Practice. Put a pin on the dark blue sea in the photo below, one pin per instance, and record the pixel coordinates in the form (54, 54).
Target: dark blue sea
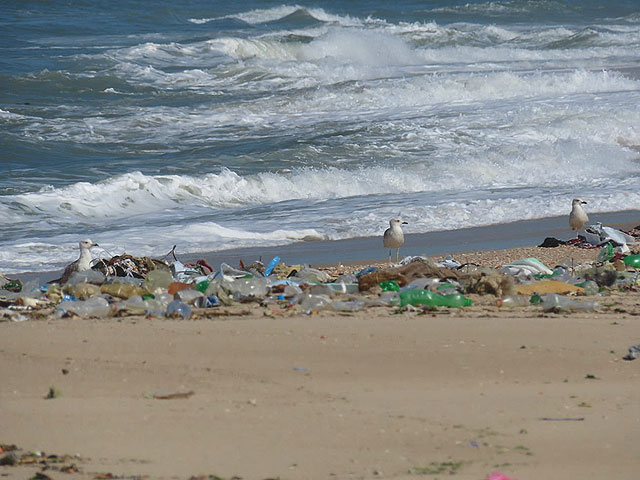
(215, 124)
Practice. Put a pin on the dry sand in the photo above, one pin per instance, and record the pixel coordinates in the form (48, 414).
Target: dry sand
(375, 394)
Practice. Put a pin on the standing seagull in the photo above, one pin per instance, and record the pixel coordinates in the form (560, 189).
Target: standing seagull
(578, 217)
(83, 263)
(393, 236)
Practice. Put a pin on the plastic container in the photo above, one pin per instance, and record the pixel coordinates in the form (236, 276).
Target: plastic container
(157, 279)
(227, 272)
(389, 286)
(189, 296)
(347, 305)
(247, 289)
(203, 285)
(87, 276)
(84, 291)
(122, 290)
(389, 298)
(93, 307)
(309, 302)
(553, 301)
(271, 266)
(366, 271)
(342, 287)
(426, 297)
(514, 301)
(134, 305)
(291, 291)
(606, 253)
(312, 275)
(178, 308)
(590, 288)
(207, 302)
(632, 260)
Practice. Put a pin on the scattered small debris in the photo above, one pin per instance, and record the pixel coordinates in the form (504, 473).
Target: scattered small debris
(634, 352)
(562, 419)
(172, 396)
(53, 393)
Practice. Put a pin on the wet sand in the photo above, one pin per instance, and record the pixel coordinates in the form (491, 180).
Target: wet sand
(373, 394)
(369, 250)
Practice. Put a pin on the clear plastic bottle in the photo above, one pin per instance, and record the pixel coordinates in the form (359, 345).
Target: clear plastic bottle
(189, 296)
(87, 276)
(158, 279)
(514, 301)
(178, 309)
(247, 289)
(553, 301)
(347, 305)
(93, 307)
(309, 302)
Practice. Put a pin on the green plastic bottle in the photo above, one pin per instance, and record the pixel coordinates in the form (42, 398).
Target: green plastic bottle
(427, 297)
(389, 286)
(632, 260)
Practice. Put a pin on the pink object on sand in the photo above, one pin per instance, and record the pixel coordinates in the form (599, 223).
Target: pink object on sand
(499, 476)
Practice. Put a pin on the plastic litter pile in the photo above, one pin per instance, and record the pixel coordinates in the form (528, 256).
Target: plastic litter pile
(160, 289)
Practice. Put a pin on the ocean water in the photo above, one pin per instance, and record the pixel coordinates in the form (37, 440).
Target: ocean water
(215, 125)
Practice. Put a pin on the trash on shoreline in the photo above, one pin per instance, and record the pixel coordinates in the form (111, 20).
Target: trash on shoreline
(634, 352)
(128, 285)
(171, 396)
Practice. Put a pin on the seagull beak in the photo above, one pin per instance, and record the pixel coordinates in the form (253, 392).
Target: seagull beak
(95, 245)
(583, 202)
(405, 223)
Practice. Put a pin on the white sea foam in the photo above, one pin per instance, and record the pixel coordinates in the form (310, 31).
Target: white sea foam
(316, 114)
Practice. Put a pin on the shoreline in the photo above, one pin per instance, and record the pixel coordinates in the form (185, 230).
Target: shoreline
(369, 250)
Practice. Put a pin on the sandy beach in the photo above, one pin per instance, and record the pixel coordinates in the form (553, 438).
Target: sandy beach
(256, 392)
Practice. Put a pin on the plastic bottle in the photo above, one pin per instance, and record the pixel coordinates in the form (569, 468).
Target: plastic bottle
(342, 287)
(203, 285)
(366, 271)
(309, 274)
(93, 307)
(591, 288)
(227, 272)
(122, 290)
(271, 266)
(247, 289)
(553, 301)
(207, 302)
(134, 305)
(389, 286)
(632, 260)
(157, 279)
(422, 283)
(606, 253)
(309, 302)
(389, 298)
(347, 305)
(514, 301)
(178, 309)
(427, 297)
(87, 276)
(84, 290)
(189, 296)
(347, 278)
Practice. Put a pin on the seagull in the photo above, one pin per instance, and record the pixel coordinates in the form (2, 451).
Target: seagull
(393, 236)
(80, 265)
(578, 217)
